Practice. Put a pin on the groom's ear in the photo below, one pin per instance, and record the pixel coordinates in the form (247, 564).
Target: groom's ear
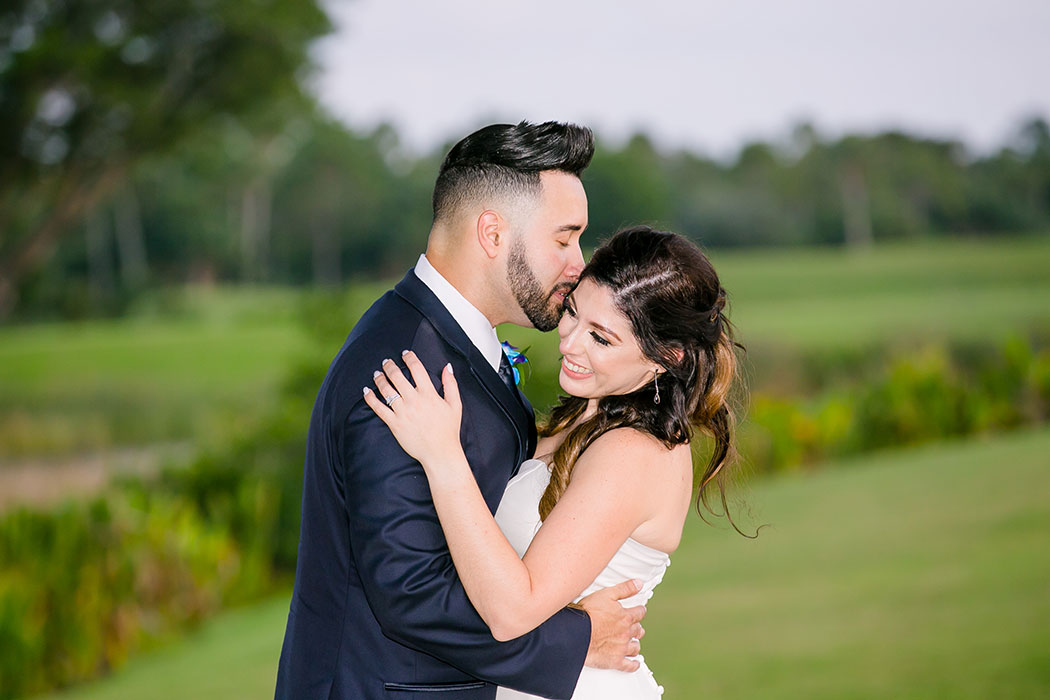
(492, 232)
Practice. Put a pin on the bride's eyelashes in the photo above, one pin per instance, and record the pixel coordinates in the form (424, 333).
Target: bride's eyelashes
(600, 340)
(569, 309)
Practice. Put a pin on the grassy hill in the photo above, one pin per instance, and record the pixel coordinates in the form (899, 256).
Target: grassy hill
(918, 573)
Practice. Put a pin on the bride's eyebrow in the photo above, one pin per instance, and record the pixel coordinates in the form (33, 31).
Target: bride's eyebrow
(605, 330)
(571, 304)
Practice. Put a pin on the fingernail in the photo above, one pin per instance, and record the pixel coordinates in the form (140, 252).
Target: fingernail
(637, 584)
(404, 352)
(387, 360)
(449, 368)
(375, 375)
(366, 390)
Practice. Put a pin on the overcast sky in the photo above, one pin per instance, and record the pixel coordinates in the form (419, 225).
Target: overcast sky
(705, 75)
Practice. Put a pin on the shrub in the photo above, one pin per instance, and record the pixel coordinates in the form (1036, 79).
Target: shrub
(929, 395)
(84, 585)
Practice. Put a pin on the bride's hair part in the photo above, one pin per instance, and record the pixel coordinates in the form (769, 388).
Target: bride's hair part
(669, 291)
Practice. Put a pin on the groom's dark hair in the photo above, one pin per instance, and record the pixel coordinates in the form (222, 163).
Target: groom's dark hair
(508, 158)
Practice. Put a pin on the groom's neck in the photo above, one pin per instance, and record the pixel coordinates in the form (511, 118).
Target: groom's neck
(469, 277)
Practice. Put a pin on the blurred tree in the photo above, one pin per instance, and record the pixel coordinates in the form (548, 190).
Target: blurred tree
(627, 186)
(90, 88)
(341, 209)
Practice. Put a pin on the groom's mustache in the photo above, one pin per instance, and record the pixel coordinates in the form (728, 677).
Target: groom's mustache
(565, 287)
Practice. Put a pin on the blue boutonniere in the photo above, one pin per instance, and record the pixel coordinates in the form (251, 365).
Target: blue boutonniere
(516, 357)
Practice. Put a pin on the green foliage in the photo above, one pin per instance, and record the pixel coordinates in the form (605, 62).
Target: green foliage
(178, 370)
(237, 503)
(90, 89)
(85, 585)
(915, 573)
(339, 204)
(812, 320)
(921, 397)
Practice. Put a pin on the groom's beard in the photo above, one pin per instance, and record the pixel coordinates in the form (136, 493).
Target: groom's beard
(541, 307)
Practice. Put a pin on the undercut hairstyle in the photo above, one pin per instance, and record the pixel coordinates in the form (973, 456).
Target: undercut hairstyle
(507, 159)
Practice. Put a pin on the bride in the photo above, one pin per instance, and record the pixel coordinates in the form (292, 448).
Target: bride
(648, 360)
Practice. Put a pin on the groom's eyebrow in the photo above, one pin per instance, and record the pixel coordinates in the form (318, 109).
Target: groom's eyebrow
(569, 227)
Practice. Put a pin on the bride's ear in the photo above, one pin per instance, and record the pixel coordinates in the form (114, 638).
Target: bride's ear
(678, 353)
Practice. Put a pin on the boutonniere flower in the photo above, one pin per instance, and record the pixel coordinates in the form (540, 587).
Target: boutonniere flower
(516, 357)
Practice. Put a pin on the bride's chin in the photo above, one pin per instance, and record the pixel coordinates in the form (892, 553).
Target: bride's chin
(566, 386)
(562, 382)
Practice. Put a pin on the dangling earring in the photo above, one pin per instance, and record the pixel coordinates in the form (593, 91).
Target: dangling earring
(656, 399)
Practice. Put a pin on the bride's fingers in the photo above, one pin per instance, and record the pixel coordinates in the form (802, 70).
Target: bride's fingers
(450, 387)
(384, 388)
(397, 377)
(378, 406)
(419, 372)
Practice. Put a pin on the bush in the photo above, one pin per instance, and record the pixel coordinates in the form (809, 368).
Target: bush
(83, 586)
(923, 397)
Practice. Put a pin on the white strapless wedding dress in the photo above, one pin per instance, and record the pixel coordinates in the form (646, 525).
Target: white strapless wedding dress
(519, 519)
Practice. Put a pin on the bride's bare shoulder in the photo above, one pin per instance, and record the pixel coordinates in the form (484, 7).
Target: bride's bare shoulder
(632, 439)
(626, 448)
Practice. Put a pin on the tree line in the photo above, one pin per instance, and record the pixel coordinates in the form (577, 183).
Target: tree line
(145, 144)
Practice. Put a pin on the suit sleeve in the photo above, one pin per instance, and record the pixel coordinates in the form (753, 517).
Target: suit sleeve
(411, 583)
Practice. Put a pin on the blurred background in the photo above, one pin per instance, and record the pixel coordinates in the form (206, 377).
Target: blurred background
(199, 199)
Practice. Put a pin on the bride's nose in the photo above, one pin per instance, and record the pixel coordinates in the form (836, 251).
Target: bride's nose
(568, 335)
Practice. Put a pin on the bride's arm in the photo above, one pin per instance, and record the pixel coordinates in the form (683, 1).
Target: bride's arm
(603, 505)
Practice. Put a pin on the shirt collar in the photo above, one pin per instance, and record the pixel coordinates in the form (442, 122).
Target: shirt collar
(473, 322)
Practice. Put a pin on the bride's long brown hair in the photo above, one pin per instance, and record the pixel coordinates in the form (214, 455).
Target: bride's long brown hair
(669, 291)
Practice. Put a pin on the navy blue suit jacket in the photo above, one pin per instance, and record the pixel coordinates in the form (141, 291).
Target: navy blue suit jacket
(378, 610)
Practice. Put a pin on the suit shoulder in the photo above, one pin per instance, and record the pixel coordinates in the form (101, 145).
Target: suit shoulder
(389, 326)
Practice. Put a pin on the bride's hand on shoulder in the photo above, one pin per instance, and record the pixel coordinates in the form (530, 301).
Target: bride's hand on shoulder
(424, 423)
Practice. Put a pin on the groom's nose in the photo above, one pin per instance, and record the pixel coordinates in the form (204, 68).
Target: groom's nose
(575, 266)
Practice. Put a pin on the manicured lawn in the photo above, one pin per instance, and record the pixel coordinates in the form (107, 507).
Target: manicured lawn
(816, 298)
(163, 374)
(919, 573)
(82, 386)
(962, 290)
(234, 656)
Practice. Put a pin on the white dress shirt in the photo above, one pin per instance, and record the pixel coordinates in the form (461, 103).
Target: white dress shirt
(473, 322)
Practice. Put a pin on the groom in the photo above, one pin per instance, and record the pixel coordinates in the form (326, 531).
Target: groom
(378, 610)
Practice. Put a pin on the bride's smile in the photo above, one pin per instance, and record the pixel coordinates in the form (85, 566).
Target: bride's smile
(600, 354)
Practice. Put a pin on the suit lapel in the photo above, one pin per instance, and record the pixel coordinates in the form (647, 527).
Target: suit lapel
(517, 408)
(532, 438)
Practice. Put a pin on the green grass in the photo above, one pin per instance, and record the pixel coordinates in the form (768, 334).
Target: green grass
(800, 311)
(181, 358)
(90, 385)
(812, 299)
(913, 574)
(959, 289)
(919, 573)
(233, 656)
